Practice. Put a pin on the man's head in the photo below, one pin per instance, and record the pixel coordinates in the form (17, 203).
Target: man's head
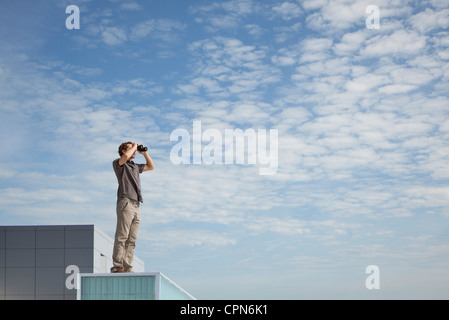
(123, 147)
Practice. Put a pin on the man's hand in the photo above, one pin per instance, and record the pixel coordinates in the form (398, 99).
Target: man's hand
(150, 164)
(141, 152)
(129, 153)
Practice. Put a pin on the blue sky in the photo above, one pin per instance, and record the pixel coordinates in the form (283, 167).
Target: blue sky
(362, 116)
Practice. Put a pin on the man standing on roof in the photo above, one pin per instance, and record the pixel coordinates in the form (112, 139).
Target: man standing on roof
(129, 197)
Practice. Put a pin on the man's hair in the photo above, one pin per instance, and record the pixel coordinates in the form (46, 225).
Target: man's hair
(123, 147)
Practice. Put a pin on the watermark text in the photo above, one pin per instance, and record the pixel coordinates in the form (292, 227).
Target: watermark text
(373, 20)
(373, 280)
(72, 21)
(71, 282)
(228, 149)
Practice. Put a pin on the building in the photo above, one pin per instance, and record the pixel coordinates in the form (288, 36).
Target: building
(37, 261)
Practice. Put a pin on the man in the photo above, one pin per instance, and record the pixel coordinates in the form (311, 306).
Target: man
(129, 197)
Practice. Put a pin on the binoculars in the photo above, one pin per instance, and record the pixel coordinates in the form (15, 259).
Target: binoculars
(142, 148)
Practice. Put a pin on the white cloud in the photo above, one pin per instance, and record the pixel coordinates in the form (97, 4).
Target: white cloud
(315, 49)
(226, 66)
(400, 43)
(113, 36)
(287, 10)
(224, 15)
(397, 88)
(142, 29)
(131, 6)
(336, 15)
(350, 43)
(429, 20)
(283, 60)
(282, 226)
(169, 238)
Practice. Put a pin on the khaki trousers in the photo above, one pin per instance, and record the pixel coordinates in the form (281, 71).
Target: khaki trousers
(128, 222)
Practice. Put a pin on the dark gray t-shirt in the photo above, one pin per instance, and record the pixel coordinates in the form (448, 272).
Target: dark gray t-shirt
(128, 180)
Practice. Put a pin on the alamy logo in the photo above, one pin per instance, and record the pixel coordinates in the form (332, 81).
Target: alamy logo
(72, 21)
(232, 145)
(373, 20)
(373, 280)
(72, 279)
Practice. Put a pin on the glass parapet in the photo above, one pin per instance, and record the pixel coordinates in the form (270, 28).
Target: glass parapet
(118, 288)
(134, 286)
(171, 291)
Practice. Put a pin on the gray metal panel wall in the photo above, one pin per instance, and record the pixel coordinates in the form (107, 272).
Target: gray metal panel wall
(33, 260)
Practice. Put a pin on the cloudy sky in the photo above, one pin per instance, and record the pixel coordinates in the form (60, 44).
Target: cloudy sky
(363, 124)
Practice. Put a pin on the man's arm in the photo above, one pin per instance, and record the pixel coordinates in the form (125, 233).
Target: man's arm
(150, 164)
(127, 154)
